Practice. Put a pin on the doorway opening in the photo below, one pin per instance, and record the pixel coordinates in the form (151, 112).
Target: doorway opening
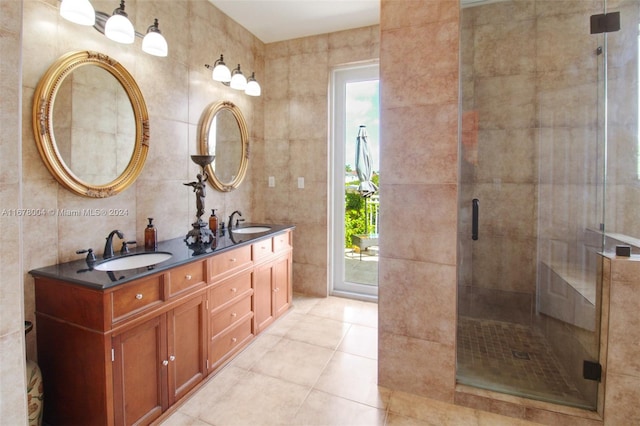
(355, 155)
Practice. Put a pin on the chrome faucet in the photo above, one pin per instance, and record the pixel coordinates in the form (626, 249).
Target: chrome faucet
(108, 247)
(231, 219)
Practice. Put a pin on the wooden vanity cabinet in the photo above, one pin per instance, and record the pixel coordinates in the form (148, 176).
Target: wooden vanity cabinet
(186, 340)
(121, 355)
(158, 362)
(272, 279)
(281, 284)
(125, 354)
(263, 300)
(139, 377)
(230, 316)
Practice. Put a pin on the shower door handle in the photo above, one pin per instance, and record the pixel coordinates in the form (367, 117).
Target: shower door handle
(474, 219)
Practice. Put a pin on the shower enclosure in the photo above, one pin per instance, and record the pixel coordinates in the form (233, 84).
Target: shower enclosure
(548, 178)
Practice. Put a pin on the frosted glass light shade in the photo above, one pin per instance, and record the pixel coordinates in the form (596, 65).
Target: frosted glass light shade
(155, 44)
(78, 11)
(118, 28)
(253, 88)
(238, 80)
(220, 71)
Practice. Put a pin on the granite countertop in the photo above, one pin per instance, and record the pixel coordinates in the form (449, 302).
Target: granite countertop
(82, 273)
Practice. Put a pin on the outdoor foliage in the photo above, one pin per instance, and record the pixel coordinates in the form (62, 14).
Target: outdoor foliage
(354, 215)
(354, 219)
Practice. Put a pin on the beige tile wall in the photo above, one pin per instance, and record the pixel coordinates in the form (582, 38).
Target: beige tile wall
(621, 367)
(419, 127)
(13, 405)
(176, 89)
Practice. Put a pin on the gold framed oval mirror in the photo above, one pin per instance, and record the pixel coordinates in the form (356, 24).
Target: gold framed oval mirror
(223, 133)
(91, 124)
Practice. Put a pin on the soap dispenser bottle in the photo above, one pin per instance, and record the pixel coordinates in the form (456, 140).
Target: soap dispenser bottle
(150, 236)
(213, 222)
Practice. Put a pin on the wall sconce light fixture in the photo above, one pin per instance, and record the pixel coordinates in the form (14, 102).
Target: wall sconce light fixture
(153, 42)
(234, 79)
(116, 26)
(220, 72)
(253, 88)
(119, 28)
(238, 80)
(78, 11)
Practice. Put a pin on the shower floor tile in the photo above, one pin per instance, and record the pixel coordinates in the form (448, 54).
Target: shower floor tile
(511, 358)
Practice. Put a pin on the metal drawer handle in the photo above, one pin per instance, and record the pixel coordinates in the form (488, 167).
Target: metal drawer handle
(139, 296)
(233, 315)
(233, 340)
(234, 289)
(165, 362)
(188, 277)
(172, 358)
(233, 259)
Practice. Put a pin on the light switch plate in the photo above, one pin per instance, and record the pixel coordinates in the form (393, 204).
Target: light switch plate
(300, 183)
(272, 182)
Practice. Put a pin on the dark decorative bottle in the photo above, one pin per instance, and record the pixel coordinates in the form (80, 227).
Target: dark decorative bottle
(213, 222)
(150, 236)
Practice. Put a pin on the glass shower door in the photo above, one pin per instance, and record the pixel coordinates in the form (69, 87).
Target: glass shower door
(531, 198)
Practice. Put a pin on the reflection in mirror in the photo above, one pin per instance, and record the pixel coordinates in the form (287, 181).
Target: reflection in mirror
(91, 124)
(223, 133)
(96, 147)
(224, 143)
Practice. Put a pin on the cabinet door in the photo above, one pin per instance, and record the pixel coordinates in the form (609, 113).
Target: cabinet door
(186, 346)
(262, 296)
(281, 285)
(140, 383)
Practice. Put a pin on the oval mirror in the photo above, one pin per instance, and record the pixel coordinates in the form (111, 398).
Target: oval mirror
(91, 124)
(223, 133)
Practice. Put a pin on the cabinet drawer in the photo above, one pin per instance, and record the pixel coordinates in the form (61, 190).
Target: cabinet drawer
(229, 289)
(186, 277)
(225, 263)
(281, 242)
(135, 297)
(262, 249)
(229, 340)
(226, 317)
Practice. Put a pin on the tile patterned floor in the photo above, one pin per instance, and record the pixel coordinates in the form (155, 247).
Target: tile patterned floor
(510, 357)
(317, 365)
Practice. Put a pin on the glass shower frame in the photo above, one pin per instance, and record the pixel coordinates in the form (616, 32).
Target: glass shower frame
(533, 178)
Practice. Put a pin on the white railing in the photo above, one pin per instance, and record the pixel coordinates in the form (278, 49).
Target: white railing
(372, 212)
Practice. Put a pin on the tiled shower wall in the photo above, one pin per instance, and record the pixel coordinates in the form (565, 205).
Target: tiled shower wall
(530, 92)
(13, 405)
(499, 153)
(623, 179)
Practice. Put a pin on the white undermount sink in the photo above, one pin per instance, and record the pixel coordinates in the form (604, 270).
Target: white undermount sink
(251, 230)
(133, 261)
